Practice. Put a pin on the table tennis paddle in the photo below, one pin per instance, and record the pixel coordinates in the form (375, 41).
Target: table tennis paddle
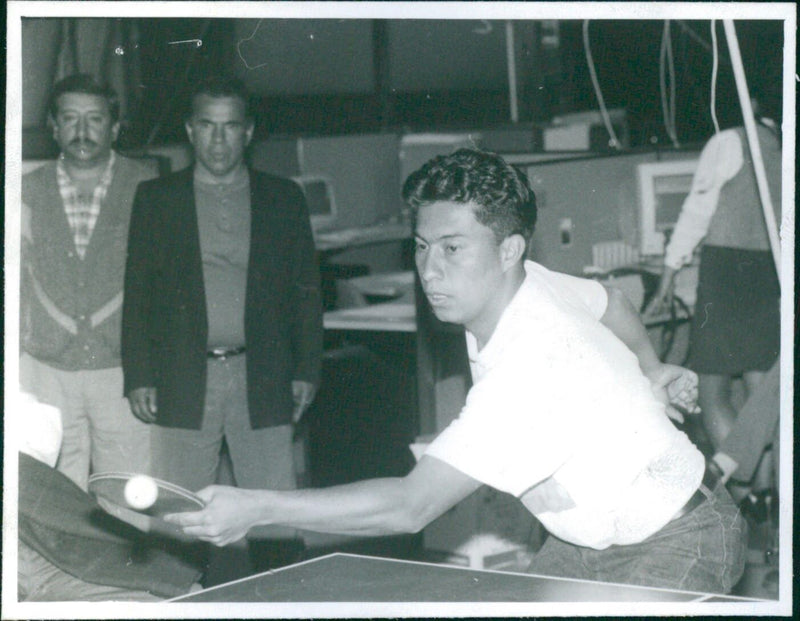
(171, 498)
(108, 488)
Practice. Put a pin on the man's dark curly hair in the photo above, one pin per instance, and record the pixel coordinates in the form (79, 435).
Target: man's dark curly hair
(503, 198)
(84, 84)
(221, 86)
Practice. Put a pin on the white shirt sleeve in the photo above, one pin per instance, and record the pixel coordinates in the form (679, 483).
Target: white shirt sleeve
(587, 291)
(720, 160)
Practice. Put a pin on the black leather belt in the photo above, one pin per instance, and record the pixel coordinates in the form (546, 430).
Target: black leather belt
(710, 481)
(221, 353)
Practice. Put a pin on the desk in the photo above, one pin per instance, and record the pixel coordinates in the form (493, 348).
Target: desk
(384, 317)
(398, 315)
(340, 239)
(355, 578)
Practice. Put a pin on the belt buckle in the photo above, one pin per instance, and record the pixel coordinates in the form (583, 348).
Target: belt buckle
(223, 353)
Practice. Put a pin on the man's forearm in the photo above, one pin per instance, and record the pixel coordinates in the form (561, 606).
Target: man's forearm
(623, 320)
(366, 508)
(371, 508)
(375, 507)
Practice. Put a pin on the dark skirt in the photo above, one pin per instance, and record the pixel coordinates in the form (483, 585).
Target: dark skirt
(736, 322)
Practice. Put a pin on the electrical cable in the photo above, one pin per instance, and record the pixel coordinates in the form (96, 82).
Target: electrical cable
(699, 40)
(692, 34)
(714, 67)
(245, 40)
(673, 87)
(662, 82)
(667, 107)
(614, 141)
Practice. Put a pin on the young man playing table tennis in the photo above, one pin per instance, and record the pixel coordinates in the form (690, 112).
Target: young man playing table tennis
(568, 411)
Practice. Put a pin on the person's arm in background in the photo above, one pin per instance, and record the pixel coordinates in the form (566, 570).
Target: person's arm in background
(611, 307)
(136, 305)
(307, 332)
(720, 159)
(672, 384)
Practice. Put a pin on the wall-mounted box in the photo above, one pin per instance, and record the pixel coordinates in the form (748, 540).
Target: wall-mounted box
(586, 131)
(416, 149)
(520, 138)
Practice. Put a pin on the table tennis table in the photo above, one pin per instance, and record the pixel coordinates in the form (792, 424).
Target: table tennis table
(344, 577)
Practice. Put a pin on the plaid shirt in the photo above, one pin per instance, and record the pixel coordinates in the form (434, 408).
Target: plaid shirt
(82, 215)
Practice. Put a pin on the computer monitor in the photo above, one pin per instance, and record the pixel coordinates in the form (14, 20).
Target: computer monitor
(663, 187)
(320, 200)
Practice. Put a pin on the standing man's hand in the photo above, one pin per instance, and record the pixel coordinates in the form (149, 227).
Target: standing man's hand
(303, 394)
(143, 403)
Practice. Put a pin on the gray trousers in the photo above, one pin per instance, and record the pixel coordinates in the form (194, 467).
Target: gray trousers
(261, 458)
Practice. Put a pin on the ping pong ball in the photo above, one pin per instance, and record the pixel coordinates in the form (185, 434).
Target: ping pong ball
(141, 492)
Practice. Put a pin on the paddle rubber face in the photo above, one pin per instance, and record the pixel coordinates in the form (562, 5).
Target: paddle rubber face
(111, 486)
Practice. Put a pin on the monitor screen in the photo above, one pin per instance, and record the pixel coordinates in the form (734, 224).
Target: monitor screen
(670, 191)
(320, 201)
(663, 187)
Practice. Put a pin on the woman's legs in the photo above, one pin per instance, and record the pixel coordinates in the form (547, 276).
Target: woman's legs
(718, 413)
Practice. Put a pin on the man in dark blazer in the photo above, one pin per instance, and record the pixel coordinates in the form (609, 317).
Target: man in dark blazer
(222, 318)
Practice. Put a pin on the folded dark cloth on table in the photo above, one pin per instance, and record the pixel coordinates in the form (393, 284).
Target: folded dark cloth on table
(67, 527)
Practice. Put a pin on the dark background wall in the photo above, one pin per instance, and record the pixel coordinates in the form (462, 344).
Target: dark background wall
(361, 75)
(334, 76)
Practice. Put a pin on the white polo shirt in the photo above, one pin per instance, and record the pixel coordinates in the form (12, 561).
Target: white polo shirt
(556, 394)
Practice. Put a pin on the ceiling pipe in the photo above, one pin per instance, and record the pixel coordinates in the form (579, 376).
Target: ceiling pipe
(512, 72)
